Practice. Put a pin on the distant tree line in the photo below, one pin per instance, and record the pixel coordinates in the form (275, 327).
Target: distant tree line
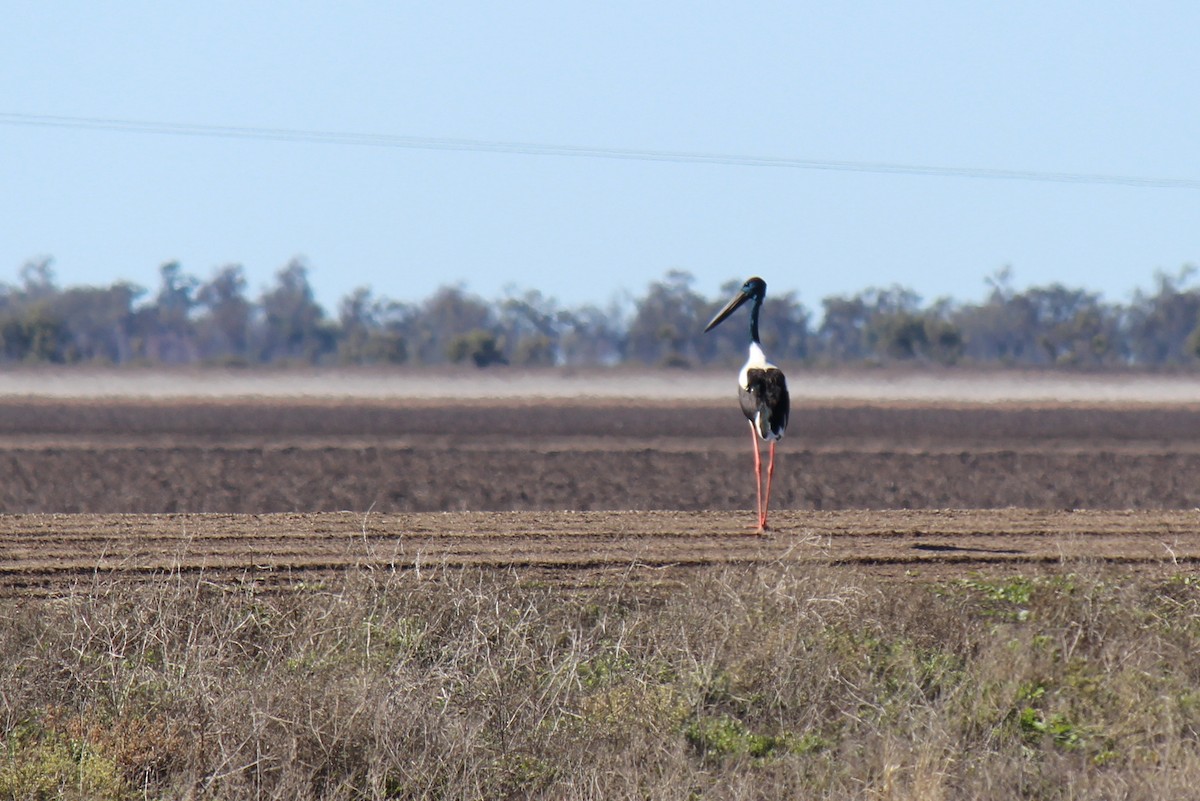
(187, 320)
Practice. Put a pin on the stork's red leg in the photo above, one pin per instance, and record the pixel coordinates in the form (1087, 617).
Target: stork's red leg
(757, 476)
(762, 520)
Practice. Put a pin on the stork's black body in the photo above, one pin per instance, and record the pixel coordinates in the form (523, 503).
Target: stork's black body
(764, 400)
(762, 391)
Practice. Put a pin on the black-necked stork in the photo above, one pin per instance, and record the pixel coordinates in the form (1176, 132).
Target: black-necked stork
(762, 391)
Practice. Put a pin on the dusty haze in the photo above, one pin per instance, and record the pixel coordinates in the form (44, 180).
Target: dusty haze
(676, 385)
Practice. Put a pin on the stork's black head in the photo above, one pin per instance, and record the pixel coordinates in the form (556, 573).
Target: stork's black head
(754, 289)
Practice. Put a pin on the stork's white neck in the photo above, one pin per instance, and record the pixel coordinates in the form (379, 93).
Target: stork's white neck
(757, 361)
(757, 357)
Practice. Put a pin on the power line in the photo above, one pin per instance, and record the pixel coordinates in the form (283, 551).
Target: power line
(574, 151)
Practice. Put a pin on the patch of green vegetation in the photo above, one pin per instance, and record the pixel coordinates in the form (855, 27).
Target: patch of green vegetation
(605, 669)
(403, 638)
(635, 706)
(1035, 724)
(520, 774)
(1188, 580)
(893, 670)
(1007, 599)
(1070, 710)
(38, 764)
(724, 736)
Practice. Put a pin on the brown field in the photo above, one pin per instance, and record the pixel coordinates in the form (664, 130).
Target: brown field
(967, 595)
(246, 457)
(51, 553)
(275, 487)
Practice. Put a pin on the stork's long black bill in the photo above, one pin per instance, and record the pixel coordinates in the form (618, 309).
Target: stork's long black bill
(738, 300)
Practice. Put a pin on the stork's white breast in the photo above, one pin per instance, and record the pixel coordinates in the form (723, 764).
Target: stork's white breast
(757, 361)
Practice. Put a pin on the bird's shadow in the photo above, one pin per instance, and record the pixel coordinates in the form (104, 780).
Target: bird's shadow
(927, 546)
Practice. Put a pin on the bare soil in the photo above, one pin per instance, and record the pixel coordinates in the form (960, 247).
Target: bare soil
(573, 490)
(270, 455)
(50, 553)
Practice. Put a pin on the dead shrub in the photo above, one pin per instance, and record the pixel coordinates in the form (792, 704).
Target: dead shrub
(740, 683)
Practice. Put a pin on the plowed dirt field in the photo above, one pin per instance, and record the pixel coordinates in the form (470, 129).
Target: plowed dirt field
(572, 488)
(52, 553)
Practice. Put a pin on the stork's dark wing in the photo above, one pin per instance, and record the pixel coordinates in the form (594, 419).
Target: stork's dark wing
(765, 401)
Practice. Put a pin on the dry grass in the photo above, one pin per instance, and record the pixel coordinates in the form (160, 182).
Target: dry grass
(746, 683)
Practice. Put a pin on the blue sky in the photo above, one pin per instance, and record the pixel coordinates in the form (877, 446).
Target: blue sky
(1096, 89)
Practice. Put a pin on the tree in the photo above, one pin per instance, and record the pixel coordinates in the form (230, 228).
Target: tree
(882, 322)
(98, 321)
(1001, 329)
(1161, 326)
(1048, 325)
(165, 331)
(591, 335)
(445, 317)
(37, 280)
(944, 342)
(842, 334)
(668, 321)
(482, 347)
(185, 321)
(1073, 326)
(223, 328)
(531, 330)
(895, 327)
(293, 323)
(364, 334)
(32, 335)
